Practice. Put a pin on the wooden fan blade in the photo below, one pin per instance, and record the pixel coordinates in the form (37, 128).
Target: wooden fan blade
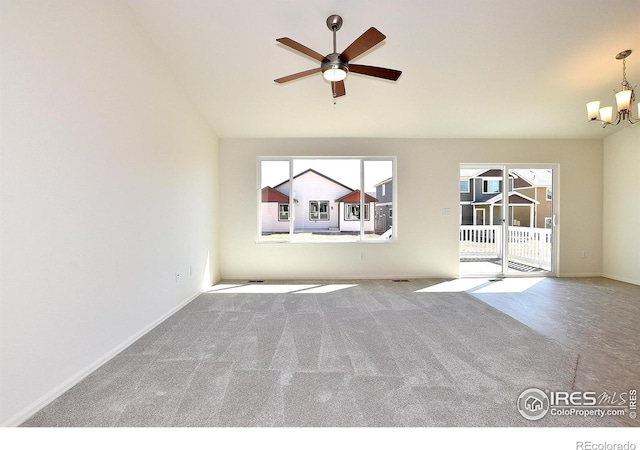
(337, 89)
(367, 40)
(380, 72)
(295, 76)
(301, 48)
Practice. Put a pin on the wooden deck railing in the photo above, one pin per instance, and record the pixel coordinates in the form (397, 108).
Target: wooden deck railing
(530, 246)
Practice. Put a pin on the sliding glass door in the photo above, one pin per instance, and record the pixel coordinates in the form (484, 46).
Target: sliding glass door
(530, 221)
(507, 219)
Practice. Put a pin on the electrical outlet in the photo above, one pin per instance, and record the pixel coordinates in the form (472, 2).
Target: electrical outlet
(190, 271)
(584, 253)
(177, 277)
(362, 255)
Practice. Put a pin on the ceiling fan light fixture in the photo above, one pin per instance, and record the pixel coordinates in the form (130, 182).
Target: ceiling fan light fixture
(336, 66)
(334, 73)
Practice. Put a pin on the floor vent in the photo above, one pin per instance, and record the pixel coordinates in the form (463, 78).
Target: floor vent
(256, 281)
(495, 279)
(400, 281)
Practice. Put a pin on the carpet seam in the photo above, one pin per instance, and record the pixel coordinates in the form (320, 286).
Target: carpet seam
(575, 372)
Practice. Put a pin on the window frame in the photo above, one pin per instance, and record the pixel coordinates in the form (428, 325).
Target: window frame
(280, 205)
(262, 236)
(320, 204)
(468, 186)
(349, 205)
(485, 185)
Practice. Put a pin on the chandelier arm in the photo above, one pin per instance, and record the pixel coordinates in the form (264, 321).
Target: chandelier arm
(632, 120)
(613, 123)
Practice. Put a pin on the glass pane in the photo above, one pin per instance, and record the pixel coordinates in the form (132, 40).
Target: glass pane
(480, 221)
(274, 205)
(379, 187)
(529, 220)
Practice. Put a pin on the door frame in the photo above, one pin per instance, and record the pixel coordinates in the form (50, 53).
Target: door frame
(555, 214)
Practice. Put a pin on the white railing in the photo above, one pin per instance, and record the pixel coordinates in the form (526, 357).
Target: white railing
(480, 241)
(526, 245)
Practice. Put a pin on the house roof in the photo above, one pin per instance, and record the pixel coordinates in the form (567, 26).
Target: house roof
(515, 198)
(317, 173)
(489, 173)
(354, 197)
(269, 194)
(383, 182)
(535, 177)
(470, 173)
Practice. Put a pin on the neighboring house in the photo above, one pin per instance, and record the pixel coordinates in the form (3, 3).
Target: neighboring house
(481, 199)
(275, 211)
(349, 212)
(384, 206)
(319, 204)
(537, 184)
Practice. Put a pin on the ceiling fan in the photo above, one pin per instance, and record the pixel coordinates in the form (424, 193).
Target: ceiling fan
(335, 66)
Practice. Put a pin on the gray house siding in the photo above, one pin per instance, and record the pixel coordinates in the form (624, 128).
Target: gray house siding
(383, 208)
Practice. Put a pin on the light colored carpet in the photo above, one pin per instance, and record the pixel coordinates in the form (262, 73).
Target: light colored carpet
(377, 354)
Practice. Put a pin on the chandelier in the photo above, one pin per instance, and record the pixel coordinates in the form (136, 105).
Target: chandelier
(624, 101)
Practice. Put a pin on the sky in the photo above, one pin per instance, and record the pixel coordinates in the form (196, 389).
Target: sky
(345, 171)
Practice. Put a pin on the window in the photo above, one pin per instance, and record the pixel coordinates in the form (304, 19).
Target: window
(318, 210)
(492, 186)
(384, 190)
(548, 223)
(464, 185)
(549, 194)
(283, 212)
(352, 211)
(324, 199)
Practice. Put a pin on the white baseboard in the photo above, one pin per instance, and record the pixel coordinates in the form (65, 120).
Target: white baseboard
(56, 392)
(579, 275)
(623, 279)
(338, 278)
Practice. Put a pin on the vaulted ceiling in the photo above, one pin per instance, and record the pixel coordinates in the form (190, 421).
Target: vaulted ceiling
(471, 68)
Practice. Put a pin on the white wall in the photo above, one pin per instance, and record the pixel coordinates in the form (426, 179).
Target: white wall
(108, 187)
(427, 182)
(621, 242)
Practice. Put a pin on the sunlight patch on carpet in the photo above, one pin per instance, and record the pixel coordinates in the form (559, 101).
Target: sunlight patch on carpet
(509, 285)
(326, 289)
(219, 287)
(459, 285)
(266, 289)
